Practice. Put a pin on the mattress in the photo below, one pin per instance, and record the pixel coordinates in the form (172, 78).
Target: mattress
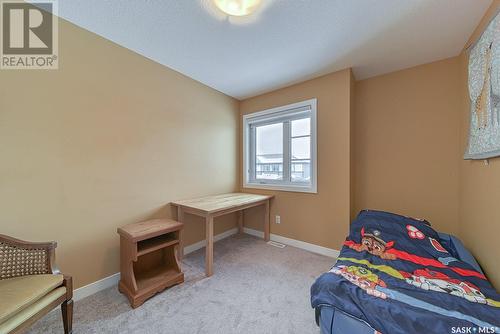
(331, 320)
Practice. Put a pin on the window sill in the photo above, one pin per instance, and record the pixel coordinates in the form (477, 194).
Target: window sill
(282, 187)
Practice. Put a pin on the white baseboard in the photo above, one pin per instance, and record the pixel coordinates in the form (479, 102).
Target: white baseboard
(255, 233)
(113, 280)
(97, 286)
(201, 244)
(295, 243)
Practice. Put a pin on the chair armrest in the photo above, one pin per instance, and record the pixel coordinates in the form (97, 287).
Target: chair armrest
(20, 258)
(68, 283)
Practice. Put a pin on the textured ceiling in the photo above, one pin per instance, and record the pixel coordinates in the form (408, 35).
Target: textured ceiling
(286, 41)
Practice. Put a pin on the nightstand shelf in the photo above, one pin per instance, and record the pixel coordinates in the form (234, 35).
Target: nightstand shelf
(150, 278)
(149, 258)
(153, 244)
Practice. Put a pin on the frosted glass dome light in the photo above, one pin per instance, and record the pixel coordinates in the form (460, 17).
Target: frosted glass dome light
(237, 7)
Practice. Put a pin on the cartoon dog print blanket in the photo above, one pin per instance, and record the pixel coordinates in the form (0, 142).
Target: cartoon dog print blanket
(395, 274)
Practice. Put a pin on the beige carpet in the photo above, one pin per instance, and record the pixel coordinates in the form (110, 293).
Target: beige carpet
(256, 288)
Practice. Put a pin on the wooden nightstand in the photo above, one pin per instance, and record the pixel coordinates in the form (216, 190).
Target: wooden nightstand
(149, 258)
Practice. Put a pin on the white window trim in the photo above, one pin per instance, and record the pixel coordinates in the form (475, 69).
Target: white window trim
(313, 187)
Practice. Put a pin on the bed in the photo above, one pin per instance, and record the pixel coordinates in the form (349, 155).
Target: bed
(395, 274)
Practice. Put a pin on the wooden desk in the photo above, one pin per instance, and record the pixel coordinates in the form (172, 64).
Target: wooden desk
(213, 206)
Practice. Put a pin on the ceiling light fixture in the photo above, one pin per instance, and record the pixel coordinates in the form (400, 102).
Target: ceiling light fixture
(237, 7)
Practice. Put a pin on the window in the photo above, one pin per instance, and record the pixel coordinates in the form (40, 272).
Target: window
(279, 148)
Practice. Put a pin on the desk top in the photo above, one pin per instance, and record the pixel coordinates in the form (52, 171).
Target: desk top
(213, 204)
(149, 229)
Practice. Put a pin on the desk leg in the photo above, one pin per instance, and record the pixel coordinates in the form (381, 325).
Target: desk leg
(180, 247)
(240, 221)
(266, 222)
(209, 252)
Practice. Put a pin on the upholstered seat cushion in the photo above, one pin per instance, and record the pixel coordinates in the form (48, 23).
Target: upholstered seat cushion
(19, 318)
(20, 292)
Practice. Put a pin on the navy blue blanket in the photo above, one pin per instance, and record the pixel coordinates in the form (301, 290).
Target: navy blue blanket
(395, 274)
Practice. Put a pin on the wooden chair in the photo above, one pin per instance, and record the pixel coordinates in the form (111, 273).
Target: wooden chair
(31, 285)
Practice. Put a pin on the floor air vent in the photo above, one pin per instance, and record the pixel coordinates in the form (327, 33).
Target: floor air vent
(276, 244)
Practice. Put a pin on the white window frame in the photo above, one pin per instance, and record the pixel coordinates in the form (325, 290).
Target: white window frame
(270, 116)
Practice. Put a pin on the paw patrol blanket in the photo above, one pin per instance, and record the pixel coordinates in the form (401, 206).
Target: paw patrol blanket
(396, 274)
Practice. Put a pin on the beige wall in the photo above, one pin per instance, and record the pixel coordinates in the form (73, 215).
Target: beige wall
(108, 139)
(321, 218)
(352, 106)
(406, 134)
(479, 186)
(410, 133)
(405, 143)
